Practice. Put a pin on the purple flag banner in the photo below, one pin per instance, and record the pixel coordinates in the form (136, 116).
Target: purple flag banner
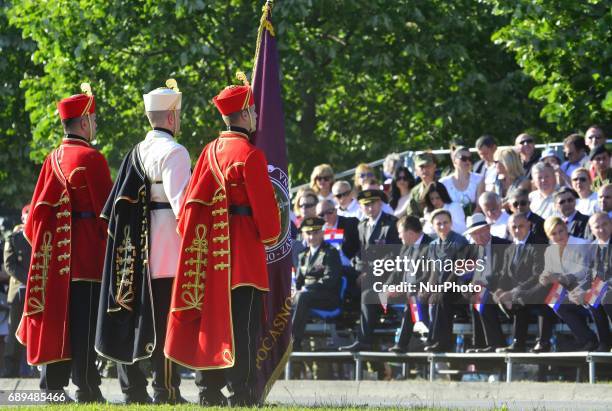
(274, 344)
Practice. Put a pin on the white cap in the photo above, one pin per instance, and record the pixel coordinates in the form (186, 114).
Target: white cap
(475, 222)
(163, 98)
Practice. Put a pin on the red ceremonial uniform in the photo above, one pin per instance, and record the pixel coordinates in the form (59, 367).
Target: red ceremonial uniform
(217, 257)
(67, 236)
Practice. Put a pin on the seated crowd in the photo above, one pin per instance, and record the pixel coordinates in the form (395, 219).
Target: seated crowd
(542, 227)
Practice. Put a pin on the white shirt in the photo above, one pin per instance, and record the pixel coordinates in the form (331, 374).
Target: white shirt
(499, 227)
(587, 206)
(542, 206)
(490, 176)
(166, 161)
(353, 210)
(402, 205)
(466, 196)
(575, 258)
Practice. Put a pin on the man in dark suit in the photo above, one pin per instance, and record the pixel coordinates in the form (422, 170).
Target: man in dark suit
(449, 246)
(378, 228)
(487, 334)
(524, 262)
(518, 200)
(600, 270)
(565, 206)
(326, 210)
(318, 277)
(342, 233)
(414, 246)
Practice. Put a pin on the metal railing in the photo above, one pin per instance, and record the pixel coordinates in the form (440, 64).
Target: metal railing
(407, 157)
(507, 360)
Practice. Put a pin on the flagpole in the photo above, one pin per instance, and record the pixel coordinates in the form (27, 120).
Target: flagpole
(264, 24)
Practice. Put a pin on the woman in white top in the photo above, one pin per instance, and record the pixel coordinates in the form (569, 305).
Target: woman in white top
(437, 197)
(462, 185)
(566, 261)
(402, 183)
(581, 182)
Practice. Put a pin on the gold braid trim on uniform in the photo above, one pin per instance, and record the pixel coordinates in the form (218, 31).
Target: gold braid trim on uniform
(218, 197)
(219, 211)
(193, 294)
(124, 264)
(222, 224)
(220, 239)
(43, 255)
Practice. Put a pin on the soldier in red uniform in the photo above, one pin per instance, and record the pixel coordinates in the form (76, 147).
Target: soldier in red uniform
(228, 215)
(68, 241)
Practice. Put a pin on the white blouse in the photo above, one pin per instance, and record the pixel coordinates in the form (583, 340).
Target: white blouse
(575, 259)
(466, 196)
(587, 206)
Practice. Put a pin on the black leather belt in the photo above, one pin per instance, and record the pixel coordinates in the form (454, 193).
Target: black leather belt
(240, 210)
(155, 205)
(83, 214)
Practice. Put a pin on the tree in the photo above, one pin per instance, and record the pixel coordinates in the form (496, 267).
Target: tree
(565, 47)
(360, 78)
(17, 172)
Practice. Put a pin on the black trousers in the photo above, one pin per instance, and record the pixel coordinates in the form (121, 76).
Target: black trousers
(487, 328)
(407, 327)
(305, 299)
(247, 303)
(575, 317)
(84, 296)
(600, 316)
(443, 311)
(370, 315)
(14, 353)
(166, 379)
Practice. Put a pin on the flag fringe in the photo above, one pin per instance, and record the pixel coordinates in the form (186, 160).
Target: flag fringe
(280, 367)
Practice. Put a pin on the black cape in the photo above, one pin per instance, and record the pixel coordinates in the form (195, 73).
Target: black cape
(126, 330)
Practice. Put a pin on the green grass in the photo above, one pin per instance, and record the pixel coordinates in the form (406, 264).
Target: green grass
(194, 407)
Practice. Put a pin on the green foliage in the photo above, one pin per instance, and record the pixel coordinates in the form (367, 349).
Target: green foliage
(370, 77)
(360, 78)
(565, 46)
(17, 172)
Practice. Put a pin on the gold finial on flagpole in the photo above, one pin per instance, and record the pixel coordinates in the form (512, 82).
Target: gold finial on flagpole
(86, 88)
(240, 75)
(172, 84)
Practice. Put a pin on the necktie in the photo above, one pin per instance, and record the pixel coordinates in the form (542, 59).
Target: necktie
(517, 255)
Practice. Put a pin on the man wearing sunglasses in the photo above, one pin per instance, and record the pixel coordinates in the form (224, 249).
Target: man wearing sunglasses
(342, 233)
(349, 246)
(525, 146)
(347, 204)
(565, 207)
(518, 200)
